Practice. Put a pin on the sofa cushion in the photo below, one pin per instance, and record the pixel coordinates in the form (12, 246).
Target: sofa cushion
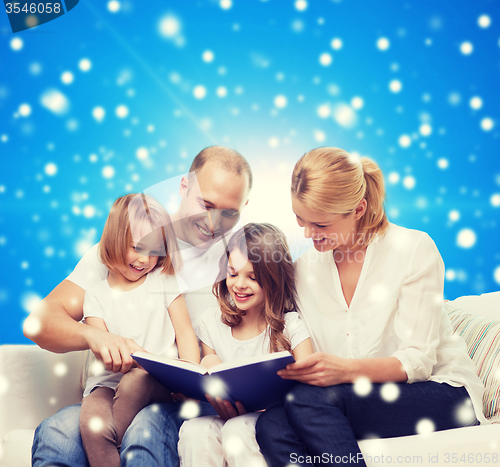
(482, 336)
(486, 305)
(16, 448)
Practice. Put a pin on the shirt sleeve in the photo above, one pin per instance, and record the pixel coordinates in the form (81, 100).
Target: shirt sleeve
(295, 329)
(418, 316)
(206, 324)
(89, 270)
(92, 306)
(173, 286)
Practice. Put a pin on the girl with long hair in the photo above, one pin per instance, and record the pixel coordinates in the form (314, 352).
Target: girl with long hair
(257, 314)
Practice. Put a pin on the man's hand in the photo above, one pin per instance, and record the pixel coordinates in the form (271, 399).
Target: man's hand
(318, 369)
(225, 409)
(113, 350)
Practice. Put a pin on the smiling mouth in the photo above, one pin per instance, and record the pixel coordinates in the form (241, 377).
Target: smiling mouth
(208, 233)
(137, 269)
(203, 231)
(243, 296)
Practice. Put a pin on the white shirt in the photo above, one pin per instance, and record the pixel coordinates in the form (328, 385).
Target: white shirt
(396, 310)
(199, 271)
(140, 314)
(219, 336)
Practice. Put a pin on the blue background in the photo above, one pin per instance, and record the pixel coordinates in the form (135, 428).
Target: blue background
(160, 99)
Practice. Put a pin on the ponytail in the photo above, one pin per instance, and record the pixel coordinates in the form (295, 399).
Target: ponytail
(374, 221)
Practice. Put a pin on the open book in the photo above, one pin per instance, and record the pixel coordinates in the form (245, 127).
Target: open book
(252, 381)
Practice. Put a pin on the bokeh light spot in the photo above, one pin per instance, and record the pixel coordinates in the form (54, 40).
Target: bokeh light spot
(409, 182)
(476, 103)
(487, 124)
(280, 101)
(383, 43)
(50, 169)
(425, 426)
(404, 141)
(96, 424)
(60, 369)
(114, 6)
(466, 48)
(389, 392)
(300, 5)
(484, 21)
(85, 65)
(466, 238)
(362, 386)
(122, 111)
(189, 409)
(67, 77)
(395, 86)
(336, 43)
(199, 92)
(325, 59)
(16, 43)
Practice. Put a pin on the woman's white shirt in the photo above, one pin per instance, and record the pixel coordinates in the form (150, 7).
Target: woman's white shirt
(396, 310)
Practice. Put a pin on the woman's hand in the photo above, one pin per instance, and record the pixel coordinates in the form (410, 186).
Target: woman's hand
(225, 409)
(319, 369)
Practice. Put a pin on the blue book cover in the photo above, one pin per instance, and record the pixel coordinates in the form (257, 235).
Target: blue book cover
(253, 381)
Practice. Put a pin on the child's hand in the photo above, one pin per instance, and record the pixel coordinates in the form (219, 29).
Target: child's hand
(225, 409)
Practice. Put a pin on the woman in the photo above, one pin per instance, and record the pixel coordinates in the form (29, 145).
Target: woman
(371, 295)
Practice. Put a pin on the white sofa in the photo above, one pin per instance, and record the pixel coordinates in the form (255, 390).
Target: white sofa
(34, 384)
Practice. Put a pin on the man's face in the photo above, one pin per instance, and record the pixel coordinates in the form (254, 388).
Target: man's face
(211, 204)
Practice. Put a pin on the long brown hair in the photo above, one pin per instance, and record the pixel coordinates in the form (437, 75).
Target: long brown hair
(332, 181)
(267, 249)
(130, 212)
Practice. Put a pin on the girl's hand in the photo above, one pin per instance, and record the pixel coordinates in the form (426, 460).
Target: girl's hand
(225, 409)
(318, 369)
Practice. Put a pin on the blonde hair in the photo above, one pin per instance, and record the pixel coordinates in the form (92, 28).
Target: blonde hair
(267, 249)
(332, 181)
(129, 213)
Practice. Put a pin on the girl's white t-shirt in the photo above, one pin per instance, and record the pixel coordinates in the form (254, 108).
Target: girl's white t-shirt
(218, 336)
(140, 314)
(396, 310)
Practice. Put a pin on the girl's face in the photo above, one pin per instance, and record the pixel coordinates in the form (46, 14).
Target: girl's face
(328, 231)
(242, 285)
(141, 257)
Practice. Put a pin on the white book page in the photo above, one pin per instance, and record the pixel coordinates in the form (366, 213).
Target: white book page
(247, 361)
(195, 367)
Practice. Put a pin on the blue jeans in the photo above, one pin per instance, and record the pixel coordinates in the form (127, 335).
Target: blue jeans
(326, 422)
(151, 439)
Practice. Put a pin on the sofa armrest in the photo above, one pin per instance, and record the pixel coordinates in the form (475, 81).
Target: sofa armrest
(35, 384)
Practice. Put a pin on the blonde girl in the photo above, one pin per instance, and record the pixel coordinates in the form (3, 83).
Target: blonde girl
(257, 314)
(142, 301)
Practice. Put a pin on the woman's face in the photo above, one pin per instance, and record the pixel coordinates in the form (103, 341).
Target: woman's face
(328, 231)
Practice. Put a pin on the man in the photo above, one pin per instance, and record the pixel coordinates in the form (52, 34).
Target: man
(213, 195)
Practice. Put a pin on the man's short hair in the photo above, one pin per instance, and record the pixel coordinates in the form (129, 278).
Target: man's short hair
(226, 158)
